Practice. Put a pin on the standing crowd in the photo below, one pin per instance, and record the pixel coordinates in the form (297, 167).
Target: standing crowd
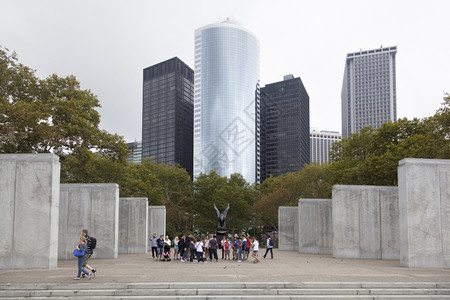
(188, 248)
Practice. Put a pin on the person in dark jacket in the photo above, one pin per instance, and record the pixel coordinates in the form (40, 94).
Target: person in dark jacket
(160, 243)
(181, 247)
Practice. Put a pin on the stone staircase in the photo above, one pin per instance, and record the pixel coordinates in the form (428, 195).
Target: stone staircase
(227, 290)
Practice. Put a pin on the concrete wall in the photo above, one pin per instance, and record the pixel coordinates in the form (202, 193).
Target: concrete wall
(365, 222)
(315, 229)
(424, 200)
(133, 220)
(288, 228)
(29, 197)
(94, 207)
(156, 222)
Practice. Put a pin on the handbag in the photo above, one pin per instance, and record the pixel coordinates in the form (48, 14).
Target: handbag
(78, 253)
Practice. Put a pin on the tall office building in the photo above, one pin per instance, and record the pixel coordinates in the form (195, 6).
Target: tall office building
(167, 113)
(285, 144)
(368, 90)
(226, 105)
(321, 142)
(135, 156)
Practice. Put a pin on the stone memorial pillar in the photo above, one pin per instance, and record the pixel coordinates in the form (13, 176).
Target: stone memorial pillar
(156, 222)
(424, 200)
(133, 220)
(288, 228)
(365, 222)
(29, 197)
(94, 207)
(315, 227)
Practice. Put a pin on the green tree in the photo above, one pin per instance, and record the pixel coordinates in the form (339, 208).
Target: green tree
(210, 189)
(55, 115)
(371, 157)
(312, 181)
(170, 186)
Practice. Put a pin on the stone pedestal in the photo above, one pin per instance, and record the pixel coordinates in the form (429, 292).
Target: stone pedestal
(156, 222)
(288, 228)
(29, 197)
(315, 226)
(94, 207)
(424, 199)
(365, 222)
(133, 220)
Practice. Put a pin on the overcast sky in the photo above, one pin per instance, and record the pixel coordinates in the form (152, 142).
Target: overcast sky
(106, 44)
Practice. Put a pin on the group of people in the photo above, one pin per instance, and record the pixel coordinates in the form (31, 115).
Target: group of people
(186, 248)
(86, 245)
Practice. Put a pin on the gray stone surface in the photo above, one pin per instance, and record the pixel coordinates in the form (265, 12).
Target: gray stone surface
(424, 201)
(94, 207)
(133, 220)
(315, 226)
(29, 195)
(156, 222)
(365, 222)
(288, 228)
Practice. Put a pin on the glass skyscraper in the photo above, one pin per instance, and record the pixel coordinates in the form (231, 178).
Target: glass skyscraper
(285, 144)
(369, 90)
(167, 107)
(226, 105)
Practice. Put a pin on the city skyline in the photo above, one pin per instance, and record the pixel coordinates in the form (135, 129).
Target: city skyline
(109, 45)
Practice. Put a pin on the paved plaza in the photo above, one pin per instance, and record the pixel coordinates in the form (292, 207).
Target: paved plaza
(287, 266)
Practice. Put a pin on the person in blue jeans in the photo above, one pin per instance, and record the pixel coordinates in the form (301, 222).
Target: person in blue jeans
(160, 243)
(81, 247)
(239, 249)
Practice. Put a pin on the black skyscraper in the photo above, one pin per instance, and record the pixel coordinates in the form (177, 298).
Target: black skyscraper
(167, 113)
(285, 142)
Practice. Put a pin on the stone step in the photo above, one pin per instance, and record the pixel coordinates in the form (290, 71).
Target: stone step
(267, 297)
(227, 285)
(219, 292)
(227, 290)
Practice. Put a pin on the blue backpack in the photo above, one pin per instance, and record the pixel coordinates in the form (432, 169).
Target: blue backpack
(78, 253)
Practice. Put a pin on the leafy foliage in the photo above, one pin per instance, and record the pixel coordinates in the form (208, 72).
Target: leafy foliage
(55, 115)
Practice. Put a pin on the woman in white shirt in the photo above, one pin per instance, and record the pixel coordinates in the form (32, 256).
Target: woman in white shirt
(199, 250)
(255, 246)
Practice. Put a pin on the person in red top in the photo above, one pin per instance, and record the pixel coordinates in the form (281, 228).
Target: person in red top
(247, 247)
(227, 249)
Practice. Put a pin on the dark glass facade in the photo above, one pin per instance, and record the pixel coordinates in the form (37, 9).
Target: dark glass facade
(167, 113)
(285, 142)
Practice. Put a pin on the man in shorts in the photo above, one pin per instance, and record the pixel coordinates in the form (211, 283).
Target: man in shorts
(89, 252)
